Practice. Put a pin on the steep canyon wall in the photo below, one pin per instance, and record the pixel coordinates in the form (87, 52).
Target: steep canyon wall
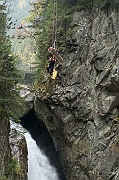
(82, 111)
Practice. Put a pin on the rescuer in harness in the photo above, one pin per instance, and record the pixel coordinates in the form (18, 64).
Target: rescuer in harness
(50, 68)
(55, 56)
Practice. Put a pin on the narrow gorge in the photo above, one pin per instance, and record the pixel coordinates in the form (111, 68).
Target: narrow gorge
(72, 120)
(81, 110)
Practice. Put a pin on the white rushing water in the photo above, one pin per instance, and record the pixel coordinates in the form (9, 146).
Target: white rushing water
(39, 167)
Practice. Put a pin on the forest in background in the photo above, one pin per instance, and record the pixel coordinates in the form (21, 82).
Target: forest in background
(49, 24)
(41, 24)
(10, 100)
(9, 74)
(22, 42)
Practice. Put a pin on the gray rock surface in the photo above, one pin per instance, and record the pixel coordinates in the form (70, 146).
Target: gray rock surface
(4, 145)
(82, 111)
(28, 95)
(19, 150)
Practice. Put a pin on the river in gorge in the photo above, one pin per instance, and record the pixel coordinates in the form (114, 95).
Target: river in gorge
(43, 158)
(44, 162)
(39, 167)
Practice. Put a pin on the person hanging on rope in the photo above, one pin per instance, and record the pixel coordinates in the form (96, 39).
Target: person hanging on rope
(50, 68)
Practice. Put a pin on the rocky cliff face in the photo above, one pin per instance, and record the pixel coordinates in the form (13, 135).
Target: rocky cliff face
(18, 151)
(4, 145)
(13, 153)
(82, 110)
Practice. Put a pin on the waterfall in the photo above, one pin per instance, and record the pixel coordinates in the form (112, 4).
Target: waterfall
(39, 167)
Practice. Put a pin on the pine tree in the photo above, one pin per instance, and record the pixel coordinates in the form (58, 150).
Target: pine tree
(9, 96)
(8, 73)
(42, 16)
(42, 19)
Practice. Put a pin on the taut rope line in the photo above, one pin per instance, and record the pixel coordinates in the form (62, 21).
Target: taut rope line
(54, 37)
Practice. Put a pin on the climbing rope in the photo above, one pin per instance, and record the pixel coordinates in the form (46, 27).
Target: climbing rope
(53, 49)
(54, 36)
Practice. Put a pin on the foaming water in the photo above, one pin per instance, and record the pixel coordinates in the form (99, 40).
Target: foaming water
(39, 167)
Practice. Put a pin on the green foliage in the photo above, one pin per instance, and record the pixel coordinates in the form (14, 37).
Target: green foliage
(47, 27)
(86, 4)
(43, 19)
(89, 4)
(9, 75)
(13, 168)
(3, 177)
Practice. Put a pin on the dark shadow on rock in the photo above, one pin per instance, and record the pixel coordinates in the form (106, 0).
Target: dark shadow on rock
(43, 139)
